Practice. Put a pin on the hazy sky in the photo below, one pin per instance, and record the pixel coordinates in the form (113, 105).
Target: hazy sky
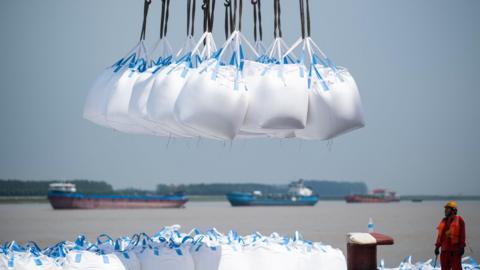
(416, 64)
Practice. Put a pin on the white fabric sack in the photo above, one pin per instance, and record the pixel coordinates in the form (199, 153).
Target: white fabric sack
(116, 109)
(82, 259)
(233, 258)
(123, 252)
(278, 97)
(278, 93)
(335, 111)
(271, 256)
(322, 257)
(212, 106)
(162, 257)
(206, 254)
(137, 108)
(98, 96)
(163, 96)
(28, 261)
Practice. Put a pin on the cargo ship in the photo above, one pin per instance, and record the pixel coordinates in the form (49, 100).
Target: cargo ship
(297, 195)
(65, 196)
(377, 196)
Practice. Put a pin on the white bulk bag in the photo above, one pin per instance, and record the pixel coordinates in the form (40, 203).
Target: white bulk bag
(116, 109)
(271, 256)
(206, 253)
(322, 257)
(138, 103)
(335, 111)
(214, 100)
(97, 98)
(84, 259)
(165, 90)
(334, 102)
(34, 261)
(137, 108)
(161, 256)
(122, 248)
(278, 95)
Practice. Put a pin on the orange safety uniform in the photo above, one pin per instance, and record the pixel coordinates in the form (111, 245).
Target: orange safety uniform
(451, 240)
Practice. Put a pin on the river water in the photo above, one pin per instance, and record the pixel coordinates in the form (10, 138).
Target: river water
(412, 225)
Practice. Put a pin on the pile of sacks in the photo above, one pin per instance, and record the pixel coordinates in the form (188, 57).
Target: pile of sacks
(172, 249)
(468, 263)
(238, 91)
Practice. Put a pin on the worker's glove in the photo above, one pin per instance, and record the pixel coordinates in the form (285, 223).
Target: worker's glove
(437, 251)
(462, 251)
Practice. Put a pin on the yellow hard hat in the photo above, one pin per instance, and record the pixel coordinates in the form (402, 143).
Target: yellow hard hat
(451, 204)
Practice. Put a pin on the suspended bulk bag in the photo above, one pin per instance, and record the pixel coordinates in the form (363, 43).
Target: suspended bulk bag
(137, 108)
(116, 109)
(97, 98)
(98, 101)
(165, 90)
(278, 97)
(334, 106)
(214, 99)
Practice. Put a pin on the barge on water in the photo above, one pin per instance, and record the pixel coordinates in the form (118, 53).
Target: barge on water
(377, 196)
(297, 195)
(65, 196)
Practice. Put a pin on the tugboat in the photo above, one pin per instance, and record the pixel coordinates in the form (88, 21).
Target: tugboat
(377, 196)
(65, 196)
(297, 195)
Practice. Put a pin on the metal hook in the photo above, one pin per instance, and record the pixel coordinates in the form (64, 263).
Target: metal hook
(227, 3)
(204, 4)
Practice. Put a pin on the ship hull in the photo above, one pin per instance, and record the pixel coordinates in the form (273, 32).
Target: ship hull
(366, 199)
(246, 199)
(60, 200)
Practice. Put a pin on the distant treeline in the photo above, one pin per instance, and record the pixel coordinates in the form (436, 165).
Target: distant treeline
(40, 188)
(320, 187)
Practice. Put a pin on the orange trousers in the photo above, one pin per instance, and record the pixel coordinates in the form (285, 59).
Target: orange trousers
(451, 260)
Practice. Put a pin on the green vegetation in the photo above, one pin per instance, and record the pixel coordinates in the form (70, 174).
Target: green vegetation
(18, 191)
(40, 188)
(328, 189)
(322, 188)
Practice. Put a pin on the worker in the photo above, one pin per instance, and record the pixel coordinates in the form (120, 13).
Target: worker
(451, 238)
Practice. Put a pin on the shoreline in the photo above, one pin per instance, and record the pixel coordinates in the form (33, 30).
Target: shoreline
(220, 198)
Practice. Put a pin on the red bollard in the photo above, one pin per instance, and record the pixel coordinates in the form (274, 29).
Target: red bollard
(362, 250)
